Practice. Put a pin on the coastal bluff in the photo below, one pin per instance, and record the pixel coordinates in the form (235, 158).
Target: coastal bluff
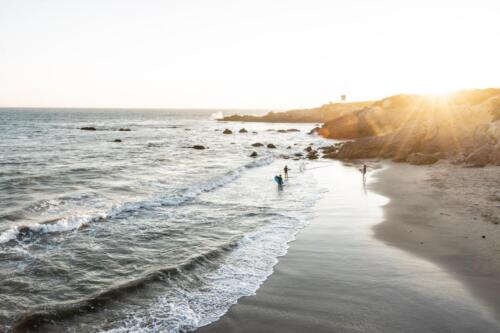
(463, 126)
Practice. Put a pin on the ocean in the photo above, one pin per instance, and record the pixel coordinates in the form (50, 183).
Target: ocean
(146, 234)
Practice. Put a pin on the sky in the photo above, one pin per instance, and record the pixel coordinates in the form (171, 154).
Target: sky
(270, 54)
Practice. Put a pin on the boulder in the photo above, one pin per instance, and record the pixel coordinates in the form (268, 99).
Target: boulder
(117, 140)
(198, 147)
(314, 130)
(292, 130)
(253, 154)
(479, 157)
(281, 131)
(243, 130)
(227, 131)
(298, 154)
(271, 146)
(312, 155)
(289, 147)
(308, 149)
(124, 129)
(88, 128)
(421, 159)
(257, 144)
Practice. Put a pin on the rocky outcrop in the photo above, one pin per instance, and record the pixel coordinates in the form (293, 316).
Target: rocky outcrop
(243, 130)
(88, 128)
(479, 157)
(495, 156)
(421, 159)
(227, 131)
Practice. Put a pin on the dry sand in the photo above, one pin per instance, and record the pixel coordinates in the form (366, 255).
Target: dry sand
(337, 277)
(447, 214)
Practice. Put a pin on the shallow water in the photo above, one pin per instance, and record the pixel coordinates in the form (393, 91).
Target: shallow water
(144, 234)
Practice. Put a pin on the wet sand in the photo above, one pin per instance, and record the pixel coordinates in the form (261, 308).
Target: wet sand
(337, 277)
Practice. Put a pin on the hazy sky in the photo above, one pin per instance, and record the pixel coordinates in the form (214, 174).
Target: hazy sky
(235, 53)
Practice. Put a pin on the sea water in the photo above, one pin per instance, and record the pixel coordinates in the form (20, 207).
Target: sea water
(146, 234)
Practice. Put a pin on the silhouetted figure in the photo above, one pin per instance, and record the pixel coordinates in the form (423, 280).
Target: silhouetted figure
(363, 172)
(286, 172)
(279, 180)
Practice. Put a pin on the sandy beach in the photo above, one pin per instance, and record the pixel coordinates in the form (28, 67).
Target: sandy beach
(338, 277)
(449, 215)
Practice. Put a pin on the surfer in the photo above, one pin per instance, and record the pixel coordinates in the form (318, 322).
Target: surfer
(286, 172)
(279, 180)
(363, 172)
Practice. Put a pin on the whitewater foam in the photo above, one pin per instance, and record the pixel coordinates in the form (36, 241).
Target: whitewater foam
(179, 197)
(243, 270)
(216, 115)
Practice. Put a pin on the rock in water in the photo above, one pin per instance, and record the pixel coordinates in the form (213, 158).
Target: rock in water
(227, 131)
(312, 155)
(88, 128)
(292, 130)
(117, 140)
(281, 131)
(271, 146)
(314, 130)
(124, 129)
(198, 147)
(253, 154)
(257, 144)
(243, 130)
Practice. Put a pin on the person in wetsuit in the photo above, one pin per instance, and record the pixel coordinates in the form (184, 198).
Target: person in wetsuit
(286, 172)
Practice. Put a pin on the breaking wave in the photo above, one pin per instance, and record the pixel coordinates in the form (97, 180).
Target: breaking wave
(77, 221)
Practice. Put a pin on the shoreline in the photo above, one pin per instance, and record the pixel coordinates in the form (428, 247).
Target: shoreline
(336, 277)
(429, 216)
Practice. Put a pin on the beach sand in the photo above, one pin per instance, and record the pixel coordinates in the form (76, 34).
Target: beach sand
(337, 277)
(441, 213)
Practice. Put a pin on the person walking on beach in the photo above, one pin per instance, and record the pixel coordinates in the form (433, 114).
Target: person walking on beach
(286, 172)
(363, 172)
